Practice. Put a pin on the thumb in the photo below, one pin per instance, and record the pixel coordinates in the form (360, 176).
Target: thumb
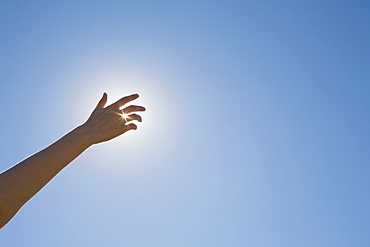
(102, 101)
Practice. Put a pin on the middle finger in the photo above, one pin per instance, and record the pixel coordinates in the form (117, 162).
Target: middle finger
(133, 108)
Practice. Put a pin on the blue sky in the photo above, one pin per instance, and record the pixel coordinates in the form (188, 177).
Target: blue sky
(256, 131)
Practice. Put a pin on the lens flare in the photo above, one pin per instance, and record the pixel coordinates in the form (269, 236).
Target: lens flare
(124, 116)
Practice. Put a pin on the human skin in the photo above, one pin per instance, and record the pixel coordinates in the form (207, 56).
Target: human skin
(22, 181)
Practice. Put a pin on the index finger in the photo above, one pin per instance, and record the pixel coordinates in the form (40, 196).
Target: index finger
(119, 103)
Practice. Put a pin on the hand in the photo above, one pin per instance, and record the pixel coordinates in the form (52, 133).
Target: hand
(106, 123)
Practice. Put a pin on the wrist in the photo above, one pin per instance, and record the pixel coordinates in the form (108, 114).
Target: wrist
(84, 135)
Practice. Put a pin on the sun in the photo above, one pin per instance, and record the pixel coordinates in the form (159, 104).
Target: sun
(124, 116)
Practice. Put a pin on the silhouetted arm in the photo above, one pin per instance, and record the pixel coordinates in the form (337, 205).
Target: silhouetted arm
(21, 182)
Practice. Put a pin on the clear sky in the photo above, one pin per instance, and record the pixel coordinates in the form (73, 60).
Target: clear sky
(256, 131)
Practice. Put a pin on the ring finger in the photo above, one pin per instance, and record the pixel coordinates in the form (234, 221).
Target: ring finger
(133, 117)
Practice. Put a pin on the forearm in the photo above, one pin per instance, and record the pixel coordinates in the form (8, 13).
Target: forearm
(24, 180)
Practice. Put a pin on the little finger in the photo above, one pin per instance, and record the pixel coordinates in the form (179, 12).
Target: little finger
(130, 126)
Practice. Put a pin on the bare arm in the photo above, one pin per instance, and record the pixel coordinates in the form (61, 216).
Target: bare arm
(24, 180)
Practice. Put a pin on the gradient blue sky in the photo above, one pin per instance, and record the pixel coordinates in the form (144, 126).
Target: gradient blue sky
(256, 134)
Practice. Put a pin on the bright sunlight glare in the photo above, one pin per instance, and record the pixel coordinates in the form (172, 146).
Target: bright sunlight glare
(124, 116)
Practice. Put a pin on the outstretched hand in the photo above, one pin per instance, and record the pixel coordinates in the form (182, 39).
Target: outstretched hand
(106, 123)
(22, 181)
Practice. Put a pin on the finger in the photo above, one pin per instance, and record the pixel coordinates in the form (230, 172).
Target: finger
(130, 126)
(102, 101)
(133, 117)
(119, 103)
(133, 108)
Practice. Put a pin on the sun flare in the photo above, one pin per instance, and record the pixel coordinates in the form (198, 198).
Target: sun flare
(124, 116)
